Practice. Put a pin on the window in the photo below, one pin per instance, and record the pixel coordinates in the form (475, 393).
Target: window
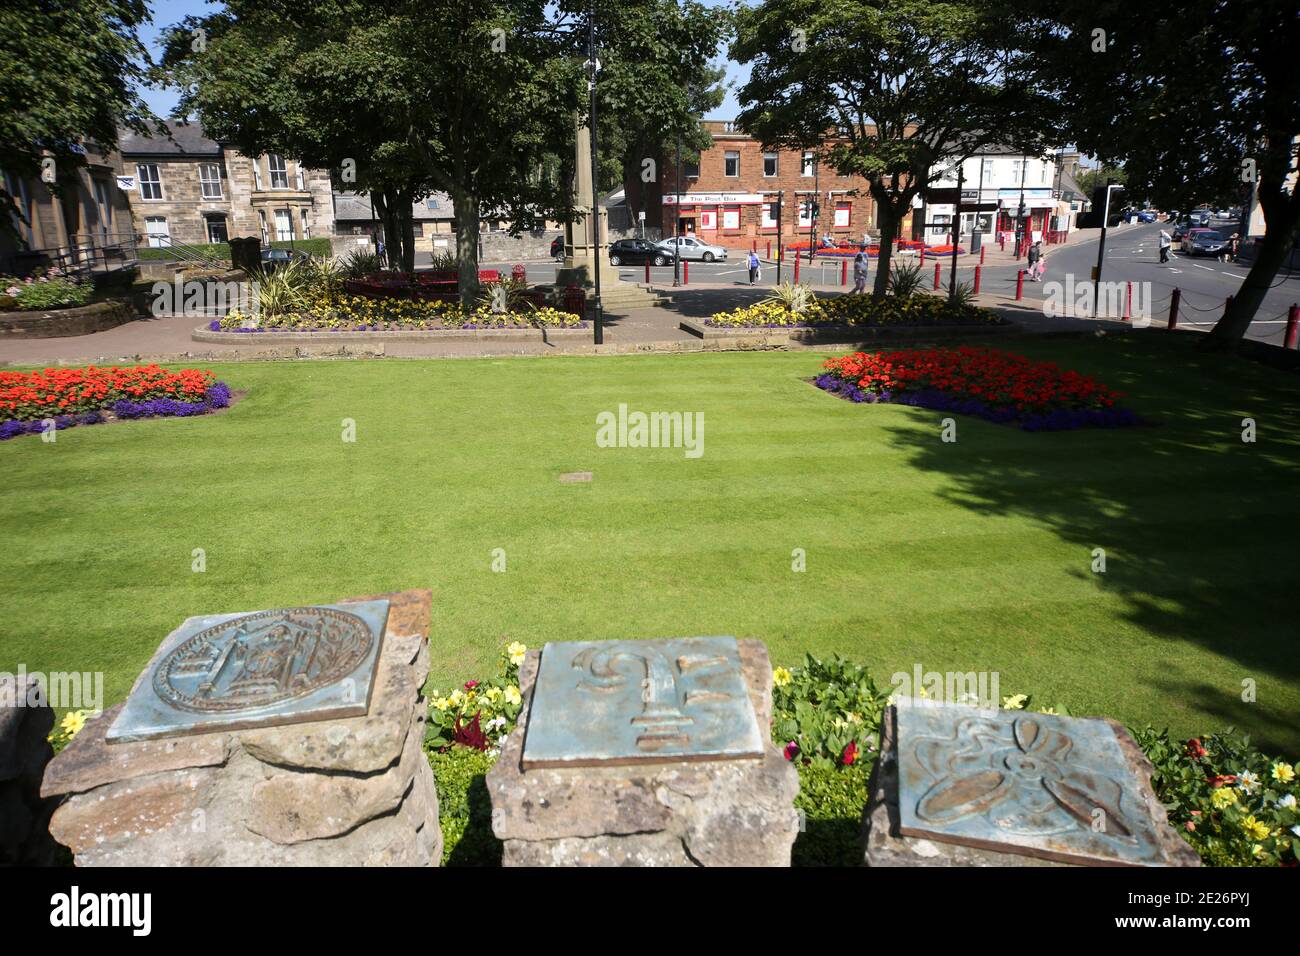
(210, 180)
(988, 170)
(150, 183)
(306, 229)
(769, 164)
(279, 172)
(217, 229)
(431, 203)
(709, 219)
(261, 220)
(302, 187)
(257, 175)
(691, 168)
(1016, 170)
(808, 165)
(731, 163)
(843, 215)
(769, 215)
(731, 217)
(283, 225)
(155, 228)
(16, 186)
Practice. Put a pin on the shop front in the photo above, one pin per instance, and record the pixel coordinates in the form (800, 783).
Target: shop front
(1039, 208)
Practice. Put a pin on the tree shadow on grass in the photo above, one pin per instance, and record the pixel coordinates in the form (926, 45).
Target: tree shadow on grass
(1200, 528)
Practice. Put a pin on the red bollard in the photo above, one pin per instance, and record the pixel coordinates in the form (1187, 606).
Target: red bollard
(936, 275)
(1002, 241)
(1173, 308)
(1020, 284)
(982, 248)
(796, 268)
(1128, 300)
(844, 272)
(769, 249)
(1292, 327)
(647, 272)
(976, 289)
(922, 252)
(686, 272)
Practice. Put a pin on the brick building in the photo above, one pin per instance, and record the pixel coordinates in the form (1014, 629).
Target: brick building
(727, 196)
(188, 188)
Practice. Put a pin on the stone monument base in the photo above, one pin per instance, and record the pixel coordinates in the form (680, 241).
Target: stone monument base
(348, 791)
(25, 723)
(883, 845)
(682, 813)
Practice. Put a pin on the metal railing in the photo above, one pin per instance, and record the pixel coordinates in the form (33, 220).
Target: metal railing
(86, 255)
(184, 252)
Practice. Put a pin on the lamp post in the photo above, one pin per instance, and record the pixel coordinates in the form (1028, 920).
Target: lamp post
(1020, 210)
(677, 225)
(1101, 248)
(593, 67)
(812, 208)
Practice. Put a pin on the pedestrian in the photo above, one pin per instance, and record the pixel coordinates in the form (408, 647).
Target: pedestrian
(860, 266)
(1035, 254)
(754, 272)
(1165, 242)
(1230, 252)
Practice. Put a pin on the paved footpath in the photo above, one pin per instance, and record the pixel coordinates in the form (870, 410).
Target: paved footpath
(648, 329)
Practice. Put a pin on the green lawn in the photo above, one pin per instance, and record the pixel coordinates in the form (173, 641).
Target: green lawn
(960, 557)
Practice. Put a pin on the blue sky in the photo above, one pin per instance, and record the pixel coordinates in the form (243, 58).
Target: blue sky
(167, 12)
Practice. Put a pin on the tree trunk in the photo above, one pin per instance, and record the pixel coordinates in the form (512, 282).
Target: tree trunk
(466, 208)
(406, 228)
(387, 208)
(1279, 237)
(888, 229)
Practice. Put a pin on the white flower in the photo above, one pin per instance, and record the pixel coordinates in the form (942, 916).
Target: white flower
(1248, 781)
(1296, 829)
(1286, 802)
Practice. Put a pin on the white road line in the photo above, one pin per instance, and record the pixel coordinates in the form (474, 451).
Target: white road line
(1199, 266)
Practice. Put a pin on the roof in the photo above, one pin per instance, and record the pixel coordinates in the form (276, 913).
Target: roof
(186, 139)
(356, 207)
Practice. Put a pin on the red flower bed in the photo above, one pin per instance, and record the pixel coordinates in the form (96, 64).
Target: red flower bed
(66, 391)
(986, 375)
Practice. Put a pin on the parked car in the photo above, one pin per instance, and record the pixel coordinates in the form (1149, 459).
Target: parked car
(1204, 242)
(1146, 215)
(692, 248)
(637, 252)
(275, 258)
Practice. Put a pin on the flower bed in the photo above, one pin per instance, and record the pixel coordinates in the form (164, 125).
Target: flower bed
(51, 289)
(88, 396)
(1235, 805)
(355, 313)
(999, 386)
(856, 310)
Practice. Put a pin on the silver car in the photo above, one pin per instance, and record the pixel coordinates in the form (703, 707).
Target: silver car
(693, 249)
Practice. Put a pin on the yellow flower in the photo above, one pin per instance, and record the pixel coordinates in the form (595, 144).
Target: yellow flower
(493, 694)
(1283, 772)
(516, 651)
(1254, 829)
(73, 721)
(456, 697)
(1050, 711)
(442, 703)
(512, 694)
(781, 677)
(1257, 850)
(1016, 702)
(1223, 797)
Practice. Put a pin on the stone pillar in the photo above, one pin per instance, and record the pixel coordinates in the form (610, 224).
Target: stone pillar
(25, 724)
(581, 244)
(685, 810)
(346, 791)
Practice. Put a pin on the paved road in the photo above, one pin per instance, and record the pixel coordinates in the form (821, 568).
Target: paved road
(1133, 255)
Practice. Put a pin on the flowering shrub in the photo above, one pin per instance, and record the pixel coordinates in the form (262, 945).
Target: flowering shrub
(480, 713)
(1235, 806)
(81, 396)
(355, 313)
(996, 385)
(826, 713)
(71, 725)
(861, 310)
(52, 289)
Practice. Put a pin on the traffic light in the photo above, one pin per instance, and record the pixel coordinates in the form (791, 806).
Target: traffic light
(816, 210)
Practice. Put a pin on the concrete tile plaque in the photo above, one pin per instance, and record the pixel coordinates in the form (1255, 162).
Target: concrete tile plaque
(630, 702)
(258, 669)
(1057, 788)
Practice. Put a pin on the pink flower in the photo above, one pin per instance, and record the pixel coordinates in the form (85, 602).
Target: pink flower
(850, 753)
(791, 750)
(471, 684)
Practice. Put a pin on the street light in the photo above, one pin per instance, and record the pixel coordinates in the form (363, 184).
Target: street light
(593, 67)
(1101, 248)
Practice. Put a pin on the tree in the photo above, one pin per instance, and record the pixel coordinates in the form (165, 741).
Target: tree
(411, 96)
(901, 87)
(70, 75)
(1198, 103)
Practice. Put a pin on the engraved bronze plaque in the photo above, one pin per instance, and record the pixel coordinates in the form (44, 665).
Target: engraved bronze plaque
(1058, 788)
(258, 669)
(632, 702)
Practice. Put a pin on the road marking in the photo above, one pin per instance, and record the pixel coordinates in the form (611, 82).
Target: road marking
(1199, 266)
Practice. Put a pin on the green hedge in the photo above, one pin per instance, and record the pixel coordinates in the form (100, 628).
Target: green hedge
(221, 250)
